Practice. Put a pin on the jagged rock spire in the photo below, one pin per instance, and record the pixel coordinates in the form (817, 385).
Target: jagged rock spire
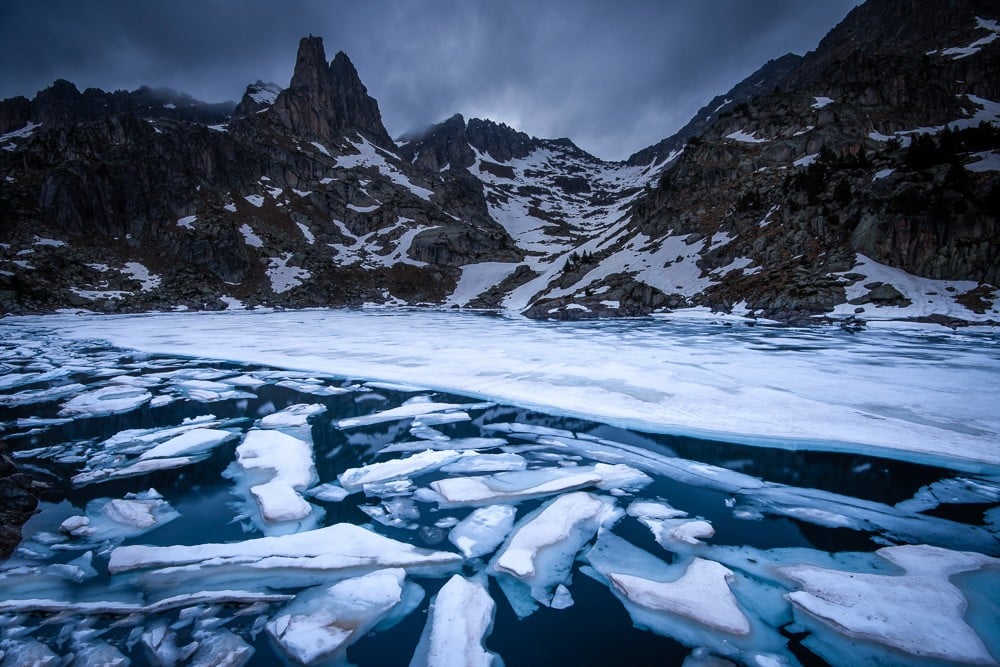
(328, 101)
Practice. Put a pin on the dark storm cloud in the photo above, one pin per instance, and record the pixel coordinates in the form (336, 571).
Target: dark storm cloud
(614, 76)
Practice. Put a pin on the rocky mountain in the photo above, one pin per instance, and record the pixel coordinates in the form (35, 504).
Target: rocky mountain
(860, 180)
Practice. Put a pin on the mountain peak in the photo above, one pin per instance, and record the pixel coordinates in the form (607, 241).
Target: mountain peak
(327, 101)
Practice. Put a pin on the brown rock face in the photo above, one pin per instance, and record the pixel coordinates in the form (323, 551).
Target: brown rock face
(325, 102)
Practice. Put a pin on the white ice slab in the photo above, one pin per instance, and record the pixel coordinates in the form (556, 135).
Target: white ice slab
(523, 484)
(701, 594)
(402, 412)
(293, 416)
(190, 442)
(541, 550)
(803, 388)
(483, 530)
(422, 462)
(459, 620)
(105, 401)
(319, 625)
(341, 549)
(290, 462)
(893, 611)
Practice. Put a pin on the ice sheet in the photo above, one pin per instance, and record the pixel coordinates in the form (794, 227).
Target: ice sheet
(802, 388)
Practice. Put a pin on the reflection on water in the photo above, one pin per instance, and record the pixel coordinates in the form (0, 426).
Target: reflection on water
(777, 505)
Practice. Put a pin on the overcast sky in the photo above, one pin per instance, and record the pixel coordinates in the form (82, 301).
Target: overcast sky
(615, 76)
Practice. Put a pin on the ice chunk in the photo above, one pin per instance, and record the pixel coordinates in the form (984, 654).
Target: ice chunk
(221, 649)
(398, 513)
(99, 654)
(162, 649)
(670, 531)
(105, 401)
(119, 608)
(541, 550)
(890, 612)
(313, 556)
(405, 411)
(701, 594)
(293, 416)
(329, 493)
(486, 463)
(31, 652)
(523, 484)
(653, 510)
(32, 396)
(483, 530)
(353, 479)
(955, 490)
(314, 387)
(195, 441)
(135, 469)
(459, 620)
(321, 624)
(291, 464)
(458, 491)
(117, 519)
(562, 598)
(443, 442)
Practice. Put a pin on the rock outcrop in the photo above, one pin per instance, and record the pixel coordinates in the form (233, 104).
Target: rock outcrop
(795, 195)
(326, 101)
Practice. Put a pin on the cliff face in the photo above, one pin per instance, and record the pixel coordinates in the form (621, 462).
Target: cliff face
(795, 194)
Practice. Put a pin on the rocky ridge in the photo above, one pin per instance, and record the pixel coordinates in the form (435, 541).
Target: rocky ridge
(860, 180)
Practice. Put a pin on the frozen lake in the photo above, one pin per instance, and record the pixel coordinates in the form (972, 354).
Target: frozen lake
(298, 487)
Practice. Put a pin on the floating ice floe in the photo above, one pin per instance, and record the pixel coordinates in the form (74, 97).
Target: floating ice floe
(32, 396)
(483, 530)
(209, 391)
(220, 649)
(695, 601)
(444, 442)
(353, 479)
(668, 532)
(117, 519)
(314, 387)
(872, 616)
(195, 441)
(99, 654)
(541, 550)
(320, 624)
(486, 463)
(120, 608)
(524, 484)
(406, 411)
(136, 452)
(286, 463)
(294, 416)
(396, 512)
(307, 558)
(955, 490)
(459, 620)
(105, 401)
(701, 594)
(329, 493)
(30, 652)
